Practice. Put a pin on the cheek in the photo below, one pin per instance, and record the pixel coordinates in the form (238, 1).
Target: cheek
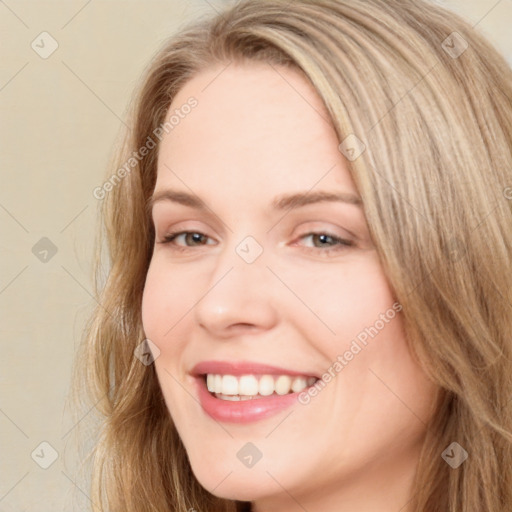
(153, 299)
(339, 302)
(164, 301)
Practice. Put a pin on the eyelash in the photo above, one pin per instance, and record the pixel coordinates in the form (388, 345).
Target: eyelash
(341, 243)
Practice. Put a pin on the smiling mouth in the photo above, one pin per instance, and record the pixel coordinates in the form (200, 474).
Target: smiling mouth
(253, 387)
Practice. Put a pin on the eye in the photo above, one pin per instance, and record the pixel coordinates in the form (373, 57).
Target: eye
(327, 242)
(196, 238)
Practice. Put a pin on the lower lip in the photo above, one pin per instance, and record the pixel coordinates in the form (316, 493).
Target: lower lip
(242, 411)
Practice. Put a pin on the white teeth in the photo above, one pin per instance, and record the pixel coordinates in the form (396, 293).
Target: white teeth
(266, 385)
(210, 382)
(217, 383)
(283, 384)
(245, 387)
(248, 385)
(299, 383)
(232, 398)
(229, 385)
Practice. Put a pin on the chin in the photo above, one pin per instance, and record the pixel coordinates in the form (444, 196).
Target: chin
(240, 486)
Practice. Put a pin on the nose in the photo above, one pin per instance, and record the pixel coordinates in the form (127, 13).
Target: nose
(238, 297)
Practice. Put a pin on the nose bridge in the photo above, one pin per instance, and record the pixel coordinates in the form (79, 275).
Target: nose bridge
(239, 289)
(244, 260)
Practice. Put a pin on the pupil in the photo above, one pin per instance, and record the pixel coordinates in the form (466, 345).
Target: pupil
(323, 238)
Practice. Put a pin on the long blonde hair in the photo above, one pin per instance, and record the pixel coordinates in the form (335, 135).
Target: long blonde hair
(430, 99)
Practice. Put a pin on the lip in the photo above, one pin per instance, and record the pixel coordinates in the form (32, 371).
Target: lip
(238, 368)
(244, 411)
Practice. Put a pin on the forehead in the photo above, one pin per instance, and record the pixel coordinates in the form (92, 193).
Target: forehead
(254, 125)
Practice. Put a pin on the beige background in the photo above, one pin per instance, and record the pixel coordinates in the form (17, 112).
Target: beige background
(59, 118)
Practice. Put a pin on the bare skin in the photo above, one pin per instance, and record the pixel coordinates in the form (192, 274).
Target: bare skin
(257, 134)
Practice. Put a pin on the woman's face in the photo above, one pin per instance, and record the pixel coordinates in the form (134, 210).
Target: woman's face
(293, 285)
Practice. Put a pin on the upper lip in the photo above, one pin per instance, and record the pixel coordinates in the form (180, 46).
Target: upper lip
(243, 368)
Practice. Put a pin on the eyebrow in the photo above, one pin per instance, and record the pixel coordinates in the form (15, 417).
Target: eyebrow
(282, 202)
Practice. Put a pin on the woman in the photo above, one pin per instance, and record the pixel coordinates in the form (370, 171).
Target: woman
(309, 302)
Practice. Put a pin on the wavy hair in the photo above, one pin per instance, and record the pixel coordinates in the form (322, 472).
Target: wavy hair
(430, 99)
